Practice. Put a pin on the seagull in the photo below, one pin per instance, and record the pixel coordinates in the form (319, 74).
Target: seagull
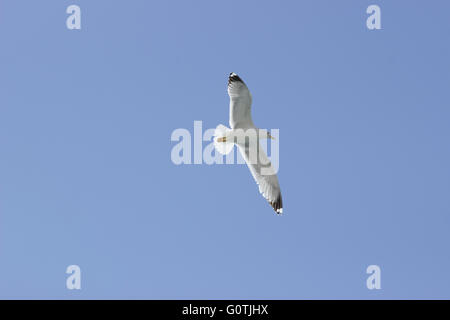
(246, 136)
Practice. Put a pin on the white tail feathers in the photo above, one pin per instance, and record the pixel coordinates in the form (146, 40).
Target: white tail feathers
(221, 133)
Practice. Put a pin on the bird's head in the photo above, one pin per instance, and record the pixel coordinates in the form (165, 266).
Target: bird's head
(263, 133)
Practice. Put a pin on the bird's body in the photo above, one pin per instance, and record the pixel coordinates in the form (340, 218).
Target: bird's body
(246, 136)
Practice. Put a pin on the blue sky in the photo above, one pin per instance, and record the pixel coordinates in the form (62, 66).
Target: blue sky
(86, 176)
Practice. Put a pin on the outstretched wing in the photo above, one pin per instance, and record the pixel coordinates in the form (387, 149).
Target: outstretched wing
(240, 103)
(264, 175)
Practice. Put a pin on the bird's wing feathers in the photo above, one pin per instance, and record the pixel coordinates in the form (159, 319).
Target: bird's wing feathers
(240, 103)
(264, 175)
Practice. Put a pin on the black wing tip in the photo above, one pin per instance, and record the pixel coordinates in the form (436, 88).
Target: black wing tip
(277, 205)
(233, 77)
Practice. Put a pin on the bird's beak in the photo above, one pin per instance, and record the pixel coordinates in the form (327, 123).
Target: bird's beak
(271, 137)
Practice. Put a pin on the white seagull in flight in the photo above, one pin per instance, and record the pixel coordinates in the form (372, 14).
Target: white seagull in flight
(241, 131)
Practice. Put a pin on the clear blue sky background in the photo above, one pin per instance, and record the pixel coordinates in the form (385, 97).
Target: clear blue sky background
(85, 170)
